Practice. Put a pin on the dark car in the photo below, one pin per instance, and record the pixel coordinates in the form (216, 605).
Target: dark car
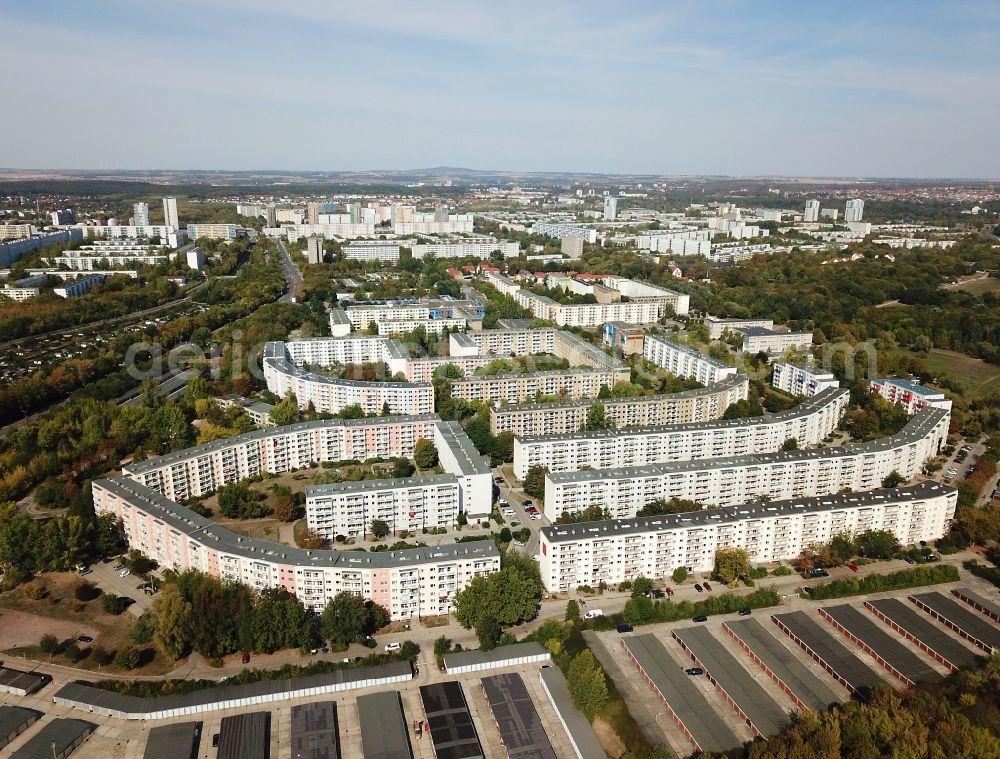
(525, 504)
(909, 560)
(85, 639)
(707, 586)
(694, 671)
(819, 572)
(745, 612)
(624, 628)
(933, 557)
(699, 618)
(215, 741)
(699, 588)
(659, 593)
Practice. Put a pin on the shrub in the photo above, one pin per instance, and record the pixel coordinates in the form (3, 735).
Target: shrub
(49, 643)
(877, 583)
(128, 657)
(572, 610)
(73, 652)
(113, 604)
(86, 591)
(782, 571)
(680, 575)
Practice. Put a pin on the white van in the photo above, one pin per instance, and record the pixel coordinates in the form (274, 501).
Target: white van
(594, 613)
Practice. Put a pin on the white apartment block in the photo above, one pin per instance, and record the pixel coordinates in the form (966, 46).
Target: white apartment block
(327, 231)
(914, 242)
(430, 326)
(730, 253)
(474, 247)
(372, 250)
(427, 224)
(363, 316)
(14, 231)
(717, 325)
(340, 324)
(212, 231)
(170, 236)
(119, 257)
(570, 384)
(503, 342)
(801, 379)
(77, 287)
(910, 395)
(170, 217)
(759, 339)
(409, 583)
(698, 405)
(615, 551)
(19, 293)
(589, 314)
(808, 423)
(854, 210)
(811, 214)
(684, 361)
(560, 231)
(140, 214)
(348, 508)
(731, 480)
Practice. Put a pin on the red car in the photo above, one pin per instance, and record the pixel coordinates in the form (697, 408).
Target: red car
(670, 591)
(853, 567)
(245, 658)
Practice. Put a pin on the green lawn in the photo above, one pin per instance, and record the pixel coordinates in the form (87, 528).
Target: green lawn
(975, 375)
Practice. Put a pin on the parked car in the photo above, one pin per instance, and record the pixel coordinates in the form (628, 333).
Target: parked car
(746, 612)
(118, 567)
(245, 657)
(125, 573)
(526, 504)
(909, 560)
(699, 618)
(535, 517)
(594, 614)
(657, 593)
(670, 592)
(392, 647)
(697, 586)
(85, 639)
(694, 671)
(85, 571)
(819, 572)
(215, 741)
(504, 502)
(933, 557)
(518, 543)
(707, 586)
(624, 628)
(852, 566)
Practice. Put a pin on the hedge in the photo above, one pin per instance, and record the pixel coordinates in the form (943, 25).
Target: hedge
(876, 583)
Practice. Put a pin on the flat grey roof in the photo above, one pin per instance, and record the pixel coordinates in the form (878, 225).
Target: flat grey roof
(384, 731)
(758, 510)
(315, 733)
(808, 688)
(521, 730)
(921, 628)
(726, 383)
(177, 741)
(986, 605)
(67, 734)
(338, 316)
(14, 720)
(859, 676)
(971, 622)
(88, 695)
(762, 710)
(807, 407)
(468, 458)
(285, 366)
(580, 731)
(499, 654)
(888, 648)
(214, 535)
(27, 681)
(205, 449)
(916, 428)
(245, 736)
(452, 729)
(392, 483)
(676, 688)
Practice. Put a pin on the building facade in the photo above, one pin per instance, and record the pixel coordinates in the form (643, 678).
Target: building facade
(684, 361)
(808, 423)
(801, 379)
(409, 583)
(726, 481)
(618, 550)
(909, 394)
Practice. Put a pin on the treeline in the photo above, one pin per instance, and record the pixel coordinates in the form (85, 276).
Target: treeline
(878, 583)
(31, 545)
(640, 610)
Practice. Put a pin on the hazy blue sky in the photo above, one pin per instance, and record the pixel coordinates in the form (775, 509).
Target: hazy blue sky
(874, 88)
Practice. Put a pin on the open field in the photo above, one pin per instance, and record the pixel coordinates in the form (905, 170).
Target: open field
(979, 286)
(974, 374)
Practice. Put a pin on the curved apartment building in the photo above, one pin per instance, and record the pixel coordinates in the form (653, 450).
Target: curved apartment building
(414, 582)
(613, 551)
(808, 422)
(732, 480)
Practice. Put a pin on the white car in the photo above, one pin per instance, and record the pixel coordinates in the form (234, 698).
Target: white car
(392, 647)
(536, 517)
(124, 573)
(594, 613)
(518, 543)
(504, 502)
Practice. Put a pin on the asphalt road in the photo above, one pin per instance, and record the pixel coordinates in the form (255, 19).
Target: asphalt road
(292, 275)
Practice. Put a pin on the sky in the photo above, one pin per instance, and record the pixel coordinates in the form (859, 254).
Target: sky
(880, 88)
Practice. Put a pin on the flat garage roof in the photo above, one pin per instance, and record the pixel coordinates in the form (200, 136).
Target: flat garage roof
(988, 605)
(67, 734)
(452, 729)
(384, 732)
(689, 704)
(985, 633)
(522, 732)
(315, 731)
(762, 711)
(921, 628)
(808, 688)
(178, 741)
(245, 736)
(847, 667)
(14, 720)
(886, 647)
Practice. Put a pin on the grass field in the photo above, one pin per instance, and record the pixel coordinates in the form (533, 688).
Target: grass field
(973, 374)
